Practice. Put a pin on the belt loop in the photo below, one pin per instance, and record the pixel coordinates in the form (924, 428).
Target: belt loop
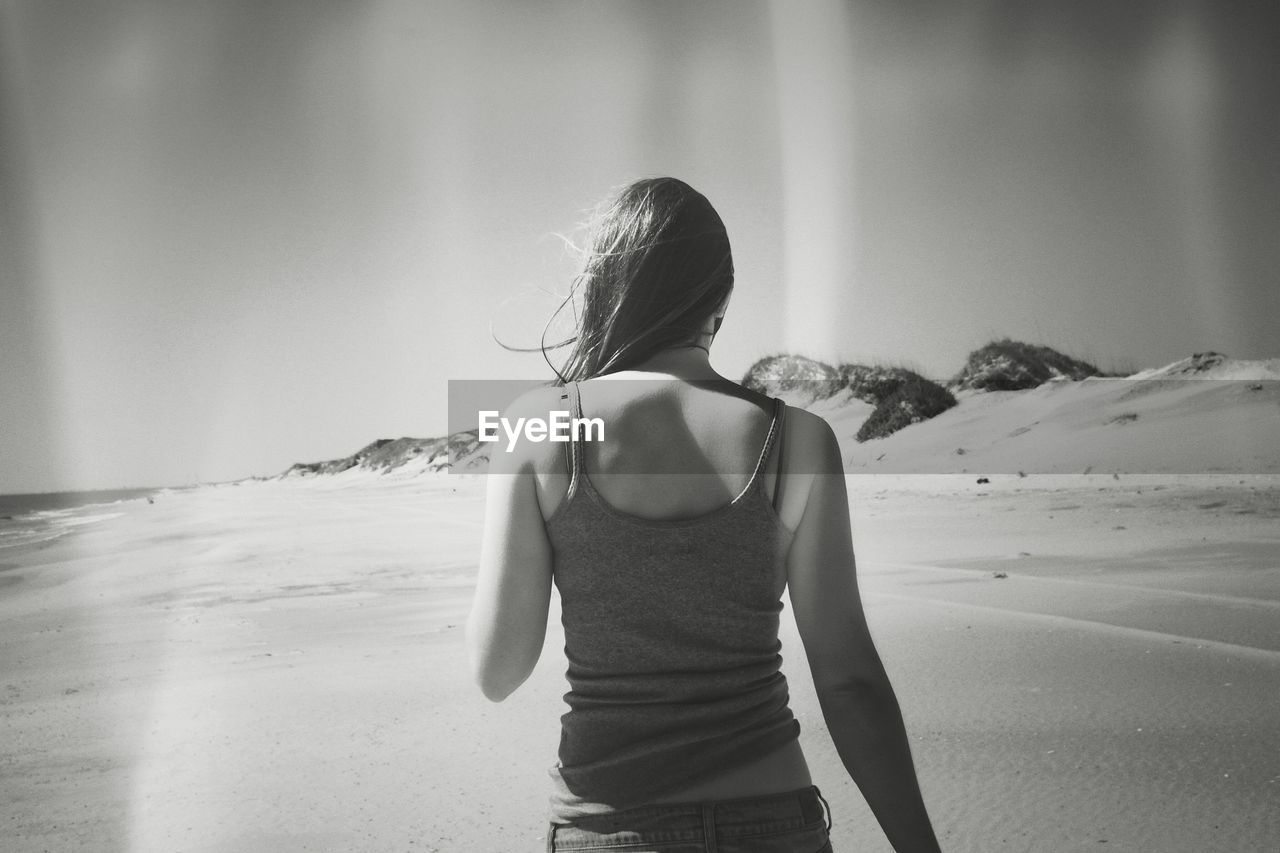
(709, 828)
(551, 837)
(825, 806)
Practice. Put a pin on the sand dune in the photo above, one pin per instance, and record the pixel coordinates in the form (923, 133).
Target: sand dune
(1206, 414)
(278, 666)
(1156, 426)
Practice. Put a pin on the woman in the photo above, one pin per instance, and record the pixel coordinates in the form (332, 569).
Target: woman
(671, 541)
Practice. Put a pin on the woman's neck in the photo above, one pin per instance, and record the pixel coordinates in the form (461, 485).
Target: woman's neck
(687, 362)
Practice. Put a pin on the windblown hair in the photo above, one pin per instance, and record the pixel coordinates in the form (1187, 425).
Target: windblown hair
(657, 267)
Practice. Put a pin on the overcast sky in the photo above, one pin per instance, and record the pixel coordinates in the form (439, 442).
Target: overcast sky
(238, 235)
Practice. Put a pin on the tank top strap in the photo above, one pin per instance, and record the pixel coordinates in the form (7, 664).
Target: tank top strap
(774, 426)
(575, 447)
(781, 408)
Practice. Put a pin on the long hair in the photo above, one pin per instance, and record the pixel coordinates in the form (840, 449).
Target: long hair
(657, 267)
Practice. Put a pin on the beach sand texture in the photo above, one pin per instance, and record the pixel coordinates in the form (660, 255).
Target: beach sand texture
(278, 666)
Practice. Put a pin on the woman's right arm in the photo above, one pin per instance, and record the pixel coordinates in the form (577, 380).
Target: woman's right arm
(857, 701)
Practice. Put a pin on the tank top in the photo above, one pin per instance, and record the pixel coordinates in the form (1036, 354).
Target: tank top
(671, 637)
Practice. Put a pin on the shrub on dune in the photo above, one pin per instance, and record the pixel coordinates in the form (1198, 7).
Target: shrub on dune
(915, 399)
(1008, 365)
(874, 384)
(902, 397)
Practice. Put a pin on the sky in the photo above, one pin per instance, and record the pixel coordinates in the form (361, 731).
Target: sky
(239, 235)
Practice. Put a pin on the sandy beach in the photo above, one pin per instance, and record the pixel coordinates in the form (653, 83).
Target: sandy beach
(273, 276)
(278, 666)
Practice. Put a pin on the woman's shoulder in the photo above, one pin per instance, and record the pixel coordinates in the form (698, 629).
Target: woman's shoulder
(806, 423)
(810, 444)
(528, 426)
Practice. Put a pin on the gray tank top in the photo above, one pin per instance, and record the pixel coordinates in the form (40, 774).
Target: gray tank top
(671, 635)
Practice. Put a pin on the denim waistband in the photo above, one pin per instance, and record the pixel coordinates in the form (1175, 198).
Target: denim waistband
(804, 808)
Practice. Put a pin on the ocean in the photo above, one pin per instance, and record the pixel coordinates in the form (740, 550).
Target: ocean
(32, 518)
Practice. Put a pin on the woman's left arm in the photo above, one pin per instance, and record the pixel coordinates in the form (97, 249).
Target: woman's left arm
(508, 620)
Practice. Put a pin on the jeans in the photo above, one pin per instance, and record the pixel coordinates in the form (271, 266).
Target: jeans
(794, 822)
